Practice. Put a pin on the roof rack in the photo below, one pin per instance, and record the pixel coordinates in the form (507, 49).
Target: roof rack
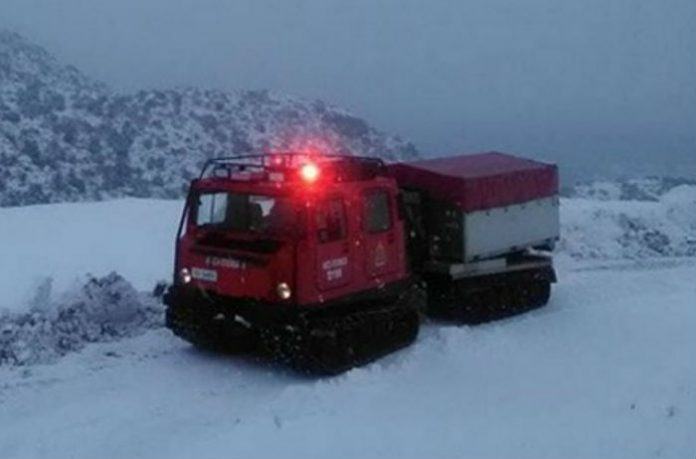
(345, 167)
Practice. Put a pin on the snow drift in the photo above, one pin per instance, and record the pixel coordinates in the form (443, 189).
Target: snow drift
(104, 309)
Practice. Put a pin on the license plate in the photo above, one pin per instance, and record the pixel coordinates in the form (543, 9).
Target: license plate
(208, 275)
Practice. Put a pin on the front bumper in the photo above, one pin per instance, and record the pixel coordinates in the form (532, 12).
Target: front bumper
(190, 306)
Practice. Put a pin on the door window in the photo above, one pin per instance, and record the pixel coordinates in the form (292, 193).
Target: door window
(377, 215)
(331, 221)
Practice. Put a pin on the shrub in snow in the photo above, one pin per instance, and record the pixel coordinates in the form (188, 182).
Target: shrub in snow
(630, 229)
(103, 309)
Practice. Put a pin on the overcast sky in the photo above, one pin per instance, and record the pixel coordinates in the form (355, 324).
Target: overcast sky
(590, 80)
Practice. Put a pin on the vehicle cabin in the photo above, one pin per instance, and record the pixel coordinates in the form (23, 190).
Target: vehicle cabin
(299, 232)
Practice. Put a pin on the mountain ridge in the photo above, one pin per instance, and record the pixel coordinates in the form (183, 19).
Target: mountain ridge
(66, 137)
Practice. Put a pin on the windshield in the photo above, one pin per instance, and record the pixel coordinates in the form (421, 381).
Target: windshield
(246, 212)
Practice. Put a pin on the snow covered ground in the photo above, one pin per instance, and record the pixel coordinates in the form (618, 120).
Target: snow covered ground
(607, 369)
(65, 242)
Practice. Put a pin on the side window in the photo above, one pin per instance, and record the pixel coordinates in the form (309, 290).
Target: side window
(331, 220)
(377, 215)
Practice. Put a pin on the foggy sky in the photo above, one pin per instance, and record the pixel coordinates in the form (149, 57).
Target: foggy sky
(583, 81)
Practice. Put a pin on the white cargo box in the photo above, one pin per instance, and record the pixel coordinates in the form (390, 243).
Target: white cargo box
(487, 233)
(484, 205)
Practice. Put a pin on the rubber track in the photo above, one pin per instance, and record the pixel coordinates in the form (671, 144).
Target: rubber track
(332, 345)
(479, 305)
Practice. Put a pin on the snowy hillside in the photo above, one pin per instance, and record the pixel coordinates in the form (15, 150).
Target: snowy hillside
(607, 369)
(64, 137)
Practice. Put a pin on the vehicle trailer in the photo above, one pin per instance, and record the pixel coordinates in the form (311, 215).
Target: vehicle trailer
(327, 262)
(481, 230)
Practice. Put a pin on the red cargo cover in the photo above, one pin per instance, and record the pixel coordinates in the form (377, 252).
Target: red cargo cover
(479, 181)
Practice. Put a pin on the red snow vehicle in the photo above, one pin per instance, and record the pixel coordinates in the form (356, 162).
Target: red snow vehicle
(326, 262)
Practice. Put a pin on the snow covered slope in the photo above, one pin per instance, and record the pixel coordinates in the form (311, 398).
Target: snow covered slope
(607, 369)
(64, 137)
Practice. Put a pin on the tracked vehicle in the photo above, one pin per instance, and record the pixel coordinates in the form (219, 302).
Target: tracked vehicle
(302, 256)
(327, 262)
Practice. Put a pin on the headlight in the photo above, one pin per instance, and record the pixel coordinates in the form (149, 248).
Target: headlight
(185, 276)
(283, 291)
